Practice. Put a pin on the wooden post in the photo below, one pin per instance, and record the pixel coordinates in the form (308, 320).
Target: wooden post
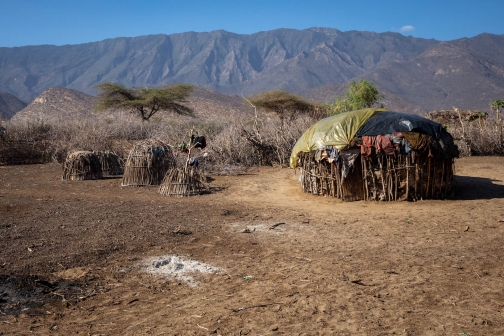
(428, 177)
(381, 174)
(407, 177)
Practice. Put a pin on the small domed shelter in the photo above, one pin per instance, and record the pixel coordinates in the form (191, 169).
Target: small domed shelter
(82, 165)
(375, 154)
(111, 163)
(147, 163)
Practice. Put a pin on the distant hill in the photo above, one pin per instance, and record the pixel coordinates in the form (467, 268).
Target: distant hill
(10, 105)
(56, 104)
(417, 74)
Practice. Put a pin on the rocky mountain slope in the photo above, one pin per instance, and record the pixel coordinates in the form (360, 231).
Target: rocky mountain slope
(423, 74)
(467, 73)
(9, 105)
(218, 59)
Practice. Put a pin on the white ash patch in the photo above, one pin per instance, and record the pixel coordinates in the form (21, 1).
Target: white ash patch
(180, 268)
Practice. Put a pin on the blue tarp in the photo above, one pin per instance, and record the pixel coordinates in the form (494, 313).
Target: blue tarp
(391, 122)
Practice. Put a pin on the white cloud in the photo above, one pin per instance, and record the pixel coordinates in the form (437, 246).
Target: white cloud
(405, 29)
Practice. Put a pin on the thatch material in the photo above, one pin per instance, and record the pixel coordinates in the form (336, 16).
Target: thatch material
(111, 163)
(147, 163)
(183, 182)
(82, 165)
(379, 177)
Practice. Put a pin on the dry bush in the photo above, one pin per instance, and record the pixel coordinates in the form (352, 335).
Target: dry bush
(228, 150)
(482, 137)
(28, 144)
(273, 137)
(65, 137)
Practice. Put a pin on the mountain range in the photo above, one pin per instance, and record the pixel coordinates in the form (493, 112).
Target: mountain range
(413, 74)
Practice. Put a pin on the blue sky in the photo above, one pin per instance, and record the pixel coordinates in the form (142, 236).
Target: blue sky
(59, 22)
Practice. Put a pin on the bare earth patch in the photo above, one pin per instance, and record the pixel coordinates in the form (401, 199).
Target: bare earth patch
(264, 258)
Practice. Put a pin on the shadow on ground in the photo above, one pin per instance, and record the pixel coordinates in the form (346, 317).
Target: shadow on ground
(474, 188)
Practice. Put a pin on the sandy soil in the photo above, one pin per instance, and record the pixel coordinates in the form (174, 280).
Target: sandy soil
(73, 258)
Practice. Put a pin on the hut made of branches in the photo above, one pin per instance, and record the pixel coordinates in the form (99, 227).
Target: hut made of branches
(111, 163)
(182, 182)
(82, 165)
(378, 155)
(147, 163)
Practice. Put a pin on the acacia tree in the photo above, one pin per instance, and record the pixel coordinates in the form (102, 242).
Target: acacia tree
(359, 96)
(144, 101)
(285, 104)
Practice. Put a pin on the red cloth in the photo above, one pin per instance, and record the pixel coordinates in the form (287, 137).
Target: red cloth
(381, 143)
(368, 143)
(384, 144)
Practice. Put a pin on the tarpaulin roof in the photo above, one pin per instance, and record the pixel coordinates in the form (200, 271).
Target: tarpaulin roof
(390, 122)
(337, 131)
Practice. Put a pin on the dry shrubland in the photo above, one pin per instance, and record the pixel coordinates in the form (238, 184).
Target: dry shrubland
(228, 149)
(482, 137)
(232, 144)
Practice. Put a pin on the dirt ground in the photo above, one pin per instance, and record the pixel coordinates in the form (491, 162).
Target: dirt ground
(72, 258)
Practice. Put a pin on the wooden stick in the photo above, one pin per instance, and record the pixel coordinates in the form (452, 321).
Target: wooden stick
(382, 177)
(428, 177)
(407, 177)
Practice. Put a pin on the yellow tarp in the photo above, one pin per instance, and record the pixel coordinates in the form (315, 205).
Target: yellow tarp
(335, 131)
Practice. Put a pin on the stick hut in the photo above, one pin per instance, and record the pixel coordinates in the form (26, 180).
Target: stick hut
(111, 163)
(82, 165)
(183, 182)
(403, 163)
(147, 163)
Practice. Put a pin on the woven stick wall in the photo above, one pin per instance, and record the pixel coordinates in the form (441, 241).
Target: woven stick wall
(326, 179)
(398, 177)
(183, 182)
(147, 163)
(379, 177)
(111, 163)
(82, 165)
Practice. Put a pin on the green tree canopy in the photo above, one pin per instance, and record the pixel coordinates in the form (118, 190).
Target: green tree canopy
(359, 96)
(283, 103)
(144, 101)
(496, 106)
